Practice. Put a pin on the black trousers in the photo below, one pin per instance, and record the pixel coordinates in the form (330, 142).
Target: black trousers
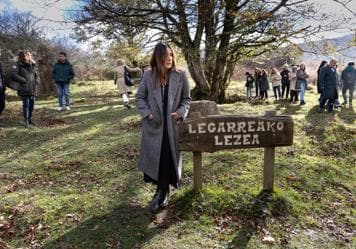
(330, 103)
(285, 89)
(264, 94)
(2, 101)
(294, 95)
(349, 88)
(258, 89)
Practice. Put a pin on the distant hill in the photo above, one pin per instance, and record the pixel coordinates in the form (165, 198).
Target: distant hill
(325, 49)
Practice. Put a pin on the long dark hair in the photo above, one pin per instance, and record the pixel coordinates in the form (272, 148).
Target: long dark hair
(159, 55)
(323, 63)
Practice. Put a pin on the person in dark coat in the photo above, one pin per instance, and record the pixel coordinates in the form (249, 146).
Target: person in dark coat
(322, 64)
(348, 78)
(328, 85)
(285, 81)
(163, 100)
(24, 72)
(2, 91)
(62, 74)
(257, 78)
(264, 84)
(249, 85)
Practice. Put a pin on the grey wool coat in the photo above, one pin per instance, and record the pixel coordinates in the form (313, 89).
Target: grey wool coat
(149, 100)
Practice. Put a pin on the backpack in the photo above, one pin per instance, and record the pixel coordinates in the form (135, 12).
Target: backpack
(128, 81)
(10, 83)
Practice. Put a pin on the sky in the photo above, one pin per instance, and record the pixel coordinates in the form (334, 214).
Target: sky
(53, 13)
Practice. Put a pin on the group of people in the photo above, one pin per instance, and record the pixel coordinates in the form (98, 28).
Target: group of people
(162, 99)
(284, 83)
(24, 72)
(328, 83)
(295, 83)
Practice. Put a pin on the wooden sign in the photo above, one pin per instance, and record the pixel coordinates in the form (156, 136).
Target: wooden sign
(218, 132)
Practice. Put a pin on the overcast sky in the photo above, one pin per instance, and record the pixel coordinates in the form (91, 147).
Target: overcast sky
(52, 12)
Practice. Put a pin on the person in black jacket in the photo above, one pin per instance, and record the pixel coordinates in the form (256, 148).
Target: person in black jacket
(257, 78)
(264, 87)
(348, 78)
(249, 85)
(285, 81)
(62, 74)
(2, 91)
(328, 85)
(24, 72)
(322, 64)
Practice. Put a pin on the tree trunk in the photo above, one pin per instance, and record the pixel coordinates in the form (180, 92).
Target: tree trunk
(197, 73)
(44, 66)
(219, 81)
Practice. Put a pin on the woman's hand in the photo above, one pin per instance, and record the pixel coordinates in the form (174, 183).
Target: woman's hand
(177, 117)
(150, 116)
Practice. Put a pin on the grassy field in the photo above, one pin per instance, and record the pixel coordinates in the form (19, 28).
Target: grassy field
(72, 181)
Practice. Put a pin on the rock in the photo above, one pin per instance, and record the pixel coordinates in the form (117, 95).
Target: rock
(268, 240)
(204, 107)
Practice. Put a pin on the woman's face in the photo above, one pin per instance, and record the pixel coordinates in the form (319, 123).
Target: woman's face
(302, 66)
(168, 61)
(27, 57)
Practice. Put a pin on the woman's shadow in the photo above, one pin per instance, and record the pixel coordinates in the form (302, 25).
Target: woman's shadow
(127, 226)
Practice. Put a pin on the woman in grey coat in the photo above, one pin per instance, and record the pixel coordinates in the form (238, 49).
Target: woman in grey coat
(163, 100)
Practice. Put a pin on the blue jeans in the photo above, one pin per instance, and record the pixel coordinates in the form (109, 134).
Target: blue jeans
(303, 86)
(277, 92)
(28, 106)
(249, 92)
(63, 90)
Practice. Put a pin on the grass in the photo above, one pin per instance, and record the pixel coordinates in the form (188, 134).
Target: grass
(72, 181)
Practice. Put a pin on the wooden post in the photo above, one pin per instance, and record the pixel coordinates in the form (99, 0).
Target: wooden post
(268, 168)
(197, 170)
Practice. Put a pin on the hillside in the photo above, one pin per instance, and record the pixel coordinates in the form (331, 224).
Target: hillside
(344, 53)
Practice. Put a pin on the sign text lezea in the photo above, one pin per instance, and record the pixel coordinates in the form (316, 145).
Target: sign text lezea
(213, 133)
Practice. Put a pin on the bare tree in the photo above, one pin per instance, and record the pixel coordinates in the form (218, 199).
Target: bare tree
(213, 34)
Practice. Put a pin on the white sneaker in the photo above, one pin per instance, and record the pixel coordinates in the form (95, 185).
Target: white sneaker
(60, 109)
(67, 108)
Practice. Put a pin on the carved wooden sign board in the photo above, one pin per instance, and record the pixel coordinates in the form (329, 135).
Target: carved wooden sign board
(211, 133)
(218, 132)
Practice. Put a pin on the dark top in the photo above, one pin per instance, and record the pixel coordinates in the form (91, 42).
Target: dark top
(348, 76)
(26, 74)
(249, 81)
(2, 80)
(264, 83)
(328, 82)
(63, 72)
(285, 76)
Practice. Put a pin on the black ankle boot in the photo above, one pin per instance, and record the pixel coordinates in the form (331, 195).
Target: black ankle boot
(164, 198)
(156, 200)
(26, 123)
